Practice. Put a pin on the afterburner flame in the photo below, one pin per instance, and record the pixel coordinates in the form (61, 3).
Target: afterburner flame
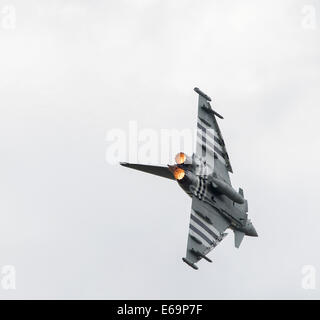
(180, 158)
(178, 173)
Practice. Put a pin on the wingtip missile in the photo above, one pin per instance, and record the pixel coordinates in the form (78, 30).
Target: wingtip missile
(201, 255)
(217, 114)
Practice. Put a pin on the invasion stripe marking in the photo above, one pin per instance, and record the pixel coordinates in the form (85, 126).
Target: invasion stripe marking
(218, 141)
(204, 168)
(203, 128)
(211, 128)
(204, 143)
(206, 136)
(211, 132)
(209, 136)
(202, 136)
(193, 237)
(202, 218)
(199, 188)
(202, 139)
(209, 142)
(202, 189)
(216, 156)
(209, 236)
(205, 122)
(222, 161)
(200, 223)
(193, 228)
(196, 237)
(218, 151)
(206, 127)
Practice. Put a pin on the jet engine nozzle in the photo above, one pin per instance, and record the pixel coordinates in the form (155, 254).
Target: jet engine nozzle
(184, 176)
(178, 173)
(182, 158)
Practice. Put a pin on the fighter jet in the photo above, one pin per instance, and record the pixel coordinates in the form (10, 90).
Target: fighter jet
(204, 176)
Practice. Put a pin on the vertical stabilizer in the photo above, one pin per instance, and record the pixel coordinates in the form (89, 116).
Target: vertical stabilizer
(238, 237)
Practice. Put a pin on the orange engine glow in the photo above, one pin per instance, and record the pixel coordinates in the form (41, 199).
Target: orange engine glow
(180, 158)
(178, 173)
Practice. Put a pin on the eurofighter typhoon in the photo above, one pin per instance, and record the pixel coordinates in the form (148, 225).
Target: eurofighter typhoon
(204, 176)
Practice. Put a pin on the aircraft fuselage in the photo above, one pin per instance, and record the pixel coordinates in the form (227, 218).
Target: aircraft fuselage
(204, 188)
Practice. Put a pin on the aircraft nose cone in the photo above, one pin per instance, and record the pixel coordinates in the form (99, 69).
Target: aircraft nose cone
(253, 232)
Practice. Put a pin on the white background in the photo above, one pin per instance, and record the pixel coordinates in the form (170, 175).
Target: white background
(75, 226)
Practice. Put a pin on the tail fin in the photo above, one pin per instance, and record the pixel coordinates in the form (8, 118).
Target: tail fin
(156, 170)
(238, 237)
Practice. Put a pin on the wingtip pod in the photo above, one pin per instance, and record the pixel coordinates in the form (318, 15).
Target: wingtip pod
(189, 263)
(197, 90)
(208, 109)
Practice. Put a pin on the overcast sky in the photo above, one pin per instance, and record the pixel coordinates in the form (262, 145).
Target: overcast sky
(75, 226)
